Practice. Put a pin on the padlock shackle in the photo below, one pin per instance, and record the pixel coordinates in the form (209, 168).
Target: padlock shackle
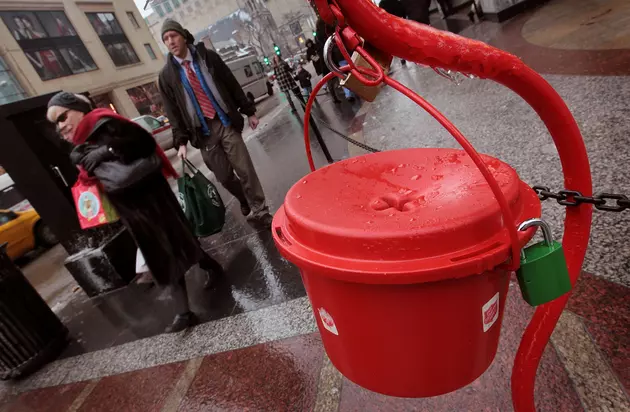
(425, 45)
(544, 226)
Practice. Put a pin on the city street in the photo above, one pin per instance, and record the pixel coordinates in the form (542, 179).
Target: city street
(247, 254)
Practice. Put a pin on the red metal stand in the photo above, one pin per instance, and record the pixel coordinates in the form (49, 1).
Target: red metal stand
(425, 45)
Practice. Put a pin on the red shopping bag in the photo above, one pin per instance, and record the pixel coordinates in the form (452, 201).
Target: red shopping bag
(93, 207)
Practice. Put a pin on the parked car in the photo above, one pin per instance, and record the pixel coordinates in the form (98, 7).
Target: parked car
(160, 130)
(24, 231)
(251, 76)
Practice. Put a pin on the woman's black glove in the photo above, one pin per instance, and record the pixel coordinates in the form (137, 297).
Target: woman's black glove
(94, 157)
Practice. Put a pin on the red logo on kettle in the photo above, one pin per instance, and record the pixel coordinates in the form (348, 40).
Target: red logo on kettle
(328, 321)
(490, 312)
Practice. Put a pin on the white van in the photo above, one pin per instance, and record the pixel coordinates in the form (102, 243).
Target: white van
(251, 76)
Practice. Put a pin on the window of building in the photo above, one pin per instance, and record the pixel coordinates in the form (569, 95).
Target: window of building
(176, 3)
(147, 99)
(296, 27)
(168, 7)
(104, 101)
(158, 9)
(150, 51)
(10, 88)
(198, 5)
(49, 42)
(113, 38)
(132, 19)
(189, 9)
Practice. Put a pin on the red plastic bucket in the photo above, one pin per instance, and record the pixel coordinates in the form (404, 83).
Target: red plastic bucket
(400, 253)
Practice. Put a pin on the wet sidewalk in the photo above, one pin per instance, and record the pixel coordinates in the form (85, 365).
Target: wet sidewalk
(255, 274)
(272, 359)
(258, 348)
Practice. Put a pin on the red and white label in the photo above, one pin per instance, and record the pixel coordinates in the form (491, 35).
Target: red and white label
(328, 321)
(490, 312)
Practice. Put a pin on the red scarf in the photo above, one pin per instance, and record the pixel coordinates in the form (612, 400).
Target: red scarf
(87, 125)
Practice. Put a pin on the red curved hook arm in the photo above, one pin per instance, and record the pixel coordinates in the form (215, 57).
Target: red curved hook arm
(425, 45)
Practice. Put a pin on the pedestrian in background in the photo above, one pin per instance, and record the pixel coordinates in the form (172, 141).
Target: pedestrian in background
(314, 54)
(395, 8)
(132, 169)
(205, 105)
(323, 32)
(417, 10)
(304, 78)
(287, 83)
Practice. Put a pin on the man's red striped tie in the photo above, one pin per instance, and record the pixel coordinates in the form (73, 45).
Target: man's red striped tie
(202, 98)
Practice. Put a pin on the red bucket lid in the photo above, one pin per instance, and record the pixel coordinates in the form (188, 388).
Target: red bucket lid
(402, 216)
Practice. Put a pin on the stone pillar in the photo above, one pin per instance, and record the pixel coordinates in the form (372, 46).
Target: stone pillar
(123, 103)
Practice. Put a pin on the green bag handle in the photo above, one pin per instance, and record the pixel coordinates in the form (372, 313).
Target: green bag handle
(193, 169)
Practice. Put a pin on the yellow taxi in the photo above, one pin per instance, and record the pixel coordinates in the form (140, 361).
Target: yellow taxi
(24, 231)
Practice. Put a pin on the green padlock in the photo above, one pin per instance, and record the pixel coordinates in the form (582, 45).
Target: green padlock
(543, 275)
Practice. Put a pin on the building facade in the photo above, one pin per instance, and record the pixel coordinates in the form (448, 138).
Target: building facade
(194, 15)
(250, 22)
(296, 21)
(102, 47)
(286, 23)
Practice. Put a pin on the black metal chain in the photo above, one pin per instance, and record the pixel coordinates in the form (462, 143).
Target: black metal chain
(563, 197)
(338, 133)
(573, 198)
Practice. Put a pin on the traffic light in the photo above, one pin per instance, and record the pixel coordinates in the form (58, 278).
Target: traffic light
(266, 59)
(277, 49)
(314, 33)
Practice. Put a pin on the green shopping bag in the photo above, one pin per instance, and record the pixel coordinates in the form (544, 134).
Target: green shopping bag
(200, 201)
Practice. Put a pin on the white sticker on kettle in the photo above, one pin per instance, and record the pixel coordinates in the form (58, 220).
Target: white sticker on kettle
(490, 312)
(328, 321)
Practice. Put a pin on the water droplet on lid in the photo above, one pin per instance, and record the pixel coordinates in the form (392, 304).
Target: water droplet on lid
(304, 182)
(415, 177)
(299, 196)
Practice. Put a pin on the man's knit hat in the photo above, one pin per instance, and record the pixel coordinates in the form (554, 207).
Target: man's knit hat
(172, 25)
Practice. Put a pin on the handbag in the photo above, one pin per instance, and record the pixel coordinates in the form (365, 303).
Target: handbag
(115, 175)
(93, 206)
(200, 201)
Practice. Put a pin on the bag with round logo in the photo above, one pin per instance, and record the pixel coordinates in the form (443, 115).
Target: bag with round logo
(93, 207)
(201, 202)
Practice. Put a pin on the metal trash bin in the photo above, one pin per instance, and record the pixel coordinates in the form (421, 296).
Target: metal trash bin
(30, 333)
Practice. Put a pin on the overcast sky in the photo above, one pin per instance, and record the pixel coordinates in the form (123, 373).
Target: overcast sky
(140, 5)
